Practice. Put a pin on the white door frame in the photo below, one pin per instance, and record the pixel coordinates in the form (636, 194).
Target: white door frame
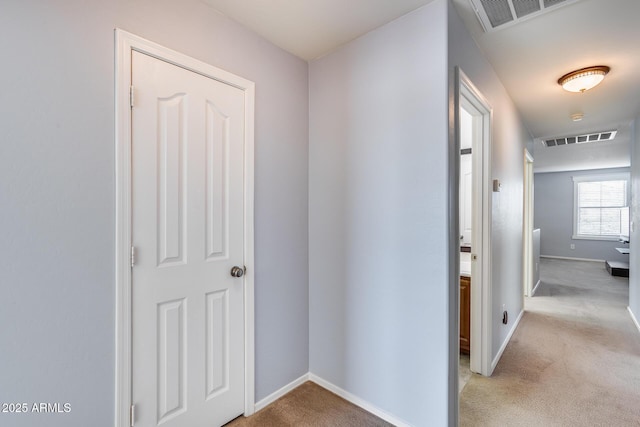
(125, 44)
(481, 303)
(527, 225)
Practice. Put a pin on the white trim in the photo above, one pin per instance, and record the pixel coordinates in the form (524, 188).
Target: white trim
(590, 237)
(281, 392)
(358, 401)
(503, 347)
(125, 43)
(622, 176)
(535, 288)
(633, 317)
(527, 225)
(481, 302)
(571, 258)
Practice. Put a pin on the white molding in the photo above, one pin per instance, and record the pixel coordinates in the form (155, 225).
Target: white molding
(599, 238)
(125, 43)
(535, 288)
(527, 225)
(622, 176)
(358, 401)
(633, 317)
(571, 258)
(503, 347)
(281, 392)
(123, 230)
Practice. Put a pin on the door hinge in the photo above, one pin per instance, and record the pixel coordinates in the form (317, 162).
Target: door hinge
(133, 256)
(131, 96)
(474, 257)
(132, 415)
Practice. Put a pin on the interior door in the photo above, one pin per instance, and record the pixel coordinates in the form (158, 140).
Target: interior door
(187, 231)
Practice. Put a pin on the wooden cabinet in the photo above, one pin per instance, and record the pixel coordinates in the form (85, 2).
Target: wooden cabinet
(465, 314)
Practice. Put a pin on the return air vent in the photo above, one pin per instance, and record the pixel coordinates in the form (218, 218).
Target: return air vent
(580, 139)
(496, 14)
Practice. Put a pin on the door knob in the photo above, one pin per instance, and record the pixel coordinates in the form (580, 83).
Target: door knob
(237, 271)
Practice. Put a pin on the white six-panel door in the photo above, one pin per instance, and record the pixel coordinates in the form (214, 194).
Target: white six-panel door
(187, 230)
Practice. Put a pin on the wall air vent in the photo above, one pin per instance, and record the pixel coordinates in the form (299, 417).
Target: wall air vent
(580, 139)
(497, 14)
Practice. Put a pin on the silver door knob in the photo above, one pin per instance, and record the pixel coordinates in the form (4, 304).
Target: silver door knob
(237, 271)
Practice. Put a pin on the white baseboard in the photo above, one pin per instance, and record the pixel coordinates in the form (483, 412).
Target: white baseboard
(571, 258)
(535, 288)
(506, 341)
(633, 317)
(279, 393)
(358, 401)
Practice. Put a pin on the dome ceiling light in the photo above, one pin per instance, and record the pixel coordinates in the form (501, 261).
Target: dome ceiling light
(583, 79)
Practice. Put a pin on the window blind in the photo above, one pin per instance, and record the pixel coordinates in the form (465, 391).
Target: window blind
(602, 208)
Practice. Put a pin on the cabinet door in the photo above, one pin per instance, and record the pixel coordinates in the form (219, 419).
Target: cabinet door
(465, 314)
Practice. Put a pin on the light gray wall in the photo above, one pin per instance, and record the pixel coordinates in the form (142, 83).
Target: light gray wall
(554, 216)
(378, 217)
(57, 218)
(634, 244)
(509, 139)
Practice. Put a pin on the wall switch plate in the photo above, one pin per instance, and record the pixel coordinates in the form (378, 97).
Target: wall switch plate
(572, 246)
(496, 185)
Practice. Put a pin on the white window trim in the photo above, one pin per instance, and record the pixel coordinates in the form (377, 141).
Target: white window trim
(592, 178)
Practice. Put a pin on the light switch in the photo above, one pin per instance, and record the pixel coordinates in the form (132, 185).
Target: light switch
(496, 185)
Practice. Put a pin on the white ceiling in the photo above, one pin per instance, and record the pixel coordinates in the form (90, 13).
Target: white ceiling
(312, 28)
(528, 57)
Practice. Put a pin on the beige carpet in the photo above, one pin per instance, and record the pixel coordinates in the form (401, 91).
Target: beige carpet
(573, 361)
(310, 405)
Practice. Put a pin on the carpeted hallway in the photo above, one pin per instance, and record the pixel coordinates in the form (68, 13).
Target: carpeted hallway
(573, 361)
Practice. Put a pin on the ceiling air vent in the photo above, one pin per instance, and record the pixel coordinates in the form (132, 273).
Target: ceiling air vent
(496, 14)
(580, 139)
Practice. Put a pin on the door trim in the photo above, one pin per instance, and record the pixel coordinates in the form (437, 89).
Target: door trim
(481, 299)
(527, 226)
(125, 43)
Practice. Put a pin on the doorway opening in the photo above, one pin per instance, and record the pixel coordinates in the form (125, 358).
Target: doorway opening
(473, 149)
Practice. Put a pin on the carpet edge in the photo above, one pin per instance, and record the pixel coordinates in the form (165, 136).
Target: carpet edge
(503, 347)
(281, 392)
(349, 397)
(633, 317)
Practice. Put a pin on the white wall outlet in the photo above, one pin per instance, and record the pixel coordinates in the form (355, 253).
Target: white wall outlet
(573, 246)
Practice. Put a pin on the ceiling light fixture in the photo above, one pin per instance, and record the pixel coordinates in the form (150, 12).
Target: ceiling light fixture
(577, 117)
(583, 79)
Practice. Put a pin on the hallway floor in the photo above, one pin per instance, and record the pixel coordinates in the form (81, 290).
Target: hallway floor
(573, 361)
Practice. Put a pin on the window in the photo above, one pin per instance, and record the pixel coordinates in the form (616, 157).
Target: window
(601, 207)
